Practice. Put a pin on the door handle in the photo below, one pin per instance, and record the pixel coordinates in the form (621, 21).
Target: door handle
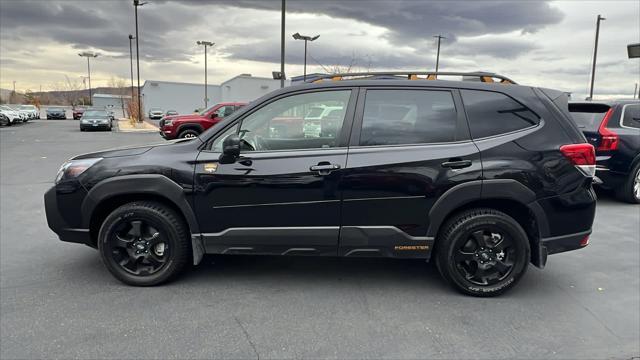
(456, 163)
(324, 168)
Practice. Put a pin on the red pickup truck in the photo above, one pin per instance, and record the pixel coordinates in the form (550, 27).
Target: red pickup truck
(192, 125)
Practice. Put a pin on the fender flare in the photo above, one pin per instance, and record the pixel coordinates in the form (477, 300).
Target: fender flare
(147, 184)
(467, 192)
(186, 126)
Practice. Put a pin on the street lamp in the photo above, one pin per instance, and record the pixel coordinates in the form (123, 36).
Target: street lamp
(137, 3)
(297, 36)
(89, 55)
(205, 44)
(595, 55)
(131, 37)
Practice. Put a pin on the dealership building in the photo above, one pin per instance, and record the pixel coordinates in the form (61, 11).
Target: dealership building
(185, 98)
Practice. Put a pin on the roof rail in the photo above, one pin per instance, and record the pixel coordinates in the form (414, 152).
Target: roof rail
(414, 75)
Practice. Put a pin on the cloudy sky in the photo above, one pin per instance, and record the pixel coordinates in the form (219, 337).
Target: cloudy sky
(534, 42)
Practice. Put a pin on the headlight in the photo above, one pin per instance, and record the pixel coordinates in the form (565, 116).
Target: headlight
(168, 122)
(73, 168)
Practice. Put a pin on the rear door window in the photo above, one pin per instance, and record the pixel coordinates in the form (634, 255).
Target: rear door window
(631, 116)
(588, 116)
(492, 113)
(396, 117)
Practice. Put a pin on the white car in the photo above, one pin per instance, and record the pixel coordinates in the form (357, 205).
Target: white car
(31, 111)
(14, 116)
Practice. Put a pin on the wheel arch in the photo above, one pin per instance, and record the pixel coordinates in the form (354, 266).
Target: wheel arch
(506, 195)
(189, 126)
(108, 194)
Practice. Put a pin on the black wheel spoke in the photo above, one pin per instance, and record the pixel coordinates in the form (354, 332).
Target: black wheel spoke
(122, 242)
(154, 259)
(479, 237)
(481, 275)
(460, 256)
(154, 239)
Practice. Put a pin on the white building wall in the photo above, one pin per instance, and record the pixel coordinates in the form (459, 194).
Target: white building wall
(182, 97)
(247, 88)
(115, 103)
(186, 97)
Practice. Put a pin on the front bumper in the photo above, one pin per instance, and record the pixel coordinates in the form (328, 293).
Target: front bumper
(167, 134)
(56, 116)
(58, 224)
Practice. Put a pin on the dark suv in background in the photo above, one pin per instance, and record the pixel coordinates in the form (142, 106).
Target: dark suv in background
(613, 127)
(485, 177)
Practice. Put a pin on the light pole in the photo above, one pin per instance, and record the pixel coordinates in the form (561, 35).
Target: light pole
(283, 10)
(131, 37)
(89, 55)
(205, 44)
(137, 3)
(297, 36)
(440, 37)
(595, 54)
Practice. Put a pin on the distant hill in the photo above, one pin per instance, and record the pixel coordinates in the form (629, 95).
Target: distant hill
(62, 97)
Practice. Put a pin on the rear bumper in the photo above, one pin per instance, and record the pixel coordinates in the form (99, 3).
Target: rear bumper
(59, 226)
(558, 244)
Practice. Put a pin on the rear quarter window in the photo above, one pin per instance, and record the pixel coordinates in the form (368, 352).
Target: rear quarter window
(492, 113)
(631, 116)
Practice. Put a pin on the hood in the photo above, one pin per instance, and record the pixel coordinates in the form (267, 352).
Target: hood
(131, 150)
(184, 117)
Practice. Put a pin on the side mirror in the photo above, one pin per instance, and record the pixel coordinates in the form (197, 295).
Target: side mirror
(230, 149)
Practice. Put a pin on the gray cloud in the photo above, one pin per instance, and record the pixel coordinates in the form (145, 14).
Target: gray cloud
(105, 24)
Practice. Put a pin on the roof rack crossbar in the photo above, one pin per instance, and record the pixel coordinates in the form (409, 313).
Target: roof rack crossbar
(413, 75)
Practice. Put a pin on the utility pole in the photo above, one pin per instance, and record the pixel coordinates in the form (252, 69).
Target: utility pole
(595, 55)
(205, 44)
(137, 3)
(14, 86)
(306, 39)
(440, 37)
(282, 44)
(131, 37)
(635, 90)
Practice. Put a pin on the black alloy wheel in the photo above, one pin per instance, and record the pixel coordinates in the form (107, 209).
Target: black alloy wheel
(144, 243)
(138, 248)
(482, 252)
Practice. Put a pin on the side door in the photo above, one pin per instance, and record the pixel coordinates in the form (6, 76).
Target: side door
(281, 196)
(408, 147)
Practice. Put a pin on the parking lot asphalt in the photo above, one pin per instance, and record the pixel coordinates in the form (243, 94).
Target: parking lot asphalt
(57, 300)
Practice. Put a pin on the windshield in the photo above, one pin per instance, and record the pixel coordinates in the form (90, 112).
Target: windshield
(55, 109)
(588, 116)
(156, 109)
(27, 107)
(95, 113)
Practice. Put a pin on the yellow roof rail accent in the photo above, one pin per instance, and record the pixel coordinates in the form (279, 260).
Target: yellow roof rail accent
(486, 79)
(413, 77)
(336, 78)
(432, 77)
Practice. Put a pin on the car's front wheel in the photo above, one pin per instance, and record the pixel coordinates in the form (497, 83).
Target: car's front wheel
(144, 243)
(188, 134)
(482, 252)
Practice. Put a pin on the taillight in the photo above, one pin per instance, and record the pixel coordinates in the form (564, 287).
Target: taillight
(583, 156)
(609, 139)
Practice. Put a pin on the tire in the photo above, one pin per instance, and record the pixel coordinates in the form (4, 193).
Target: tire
(188, 133)
(126, 243)
(459, 254)
(630, 190)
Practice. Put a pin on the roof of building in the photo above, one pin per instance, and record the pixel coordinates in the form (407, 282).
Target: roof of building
(112, 96)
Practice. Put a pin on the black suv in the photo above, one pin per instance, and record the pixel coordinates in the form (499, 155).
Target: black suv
(613, 127)
(483, 176)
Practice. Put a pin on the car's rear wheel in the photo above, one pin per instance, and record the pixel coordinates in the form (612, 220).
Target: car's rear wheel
(482, 252)
(630, 190)
(144, 243)
(188, 134)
